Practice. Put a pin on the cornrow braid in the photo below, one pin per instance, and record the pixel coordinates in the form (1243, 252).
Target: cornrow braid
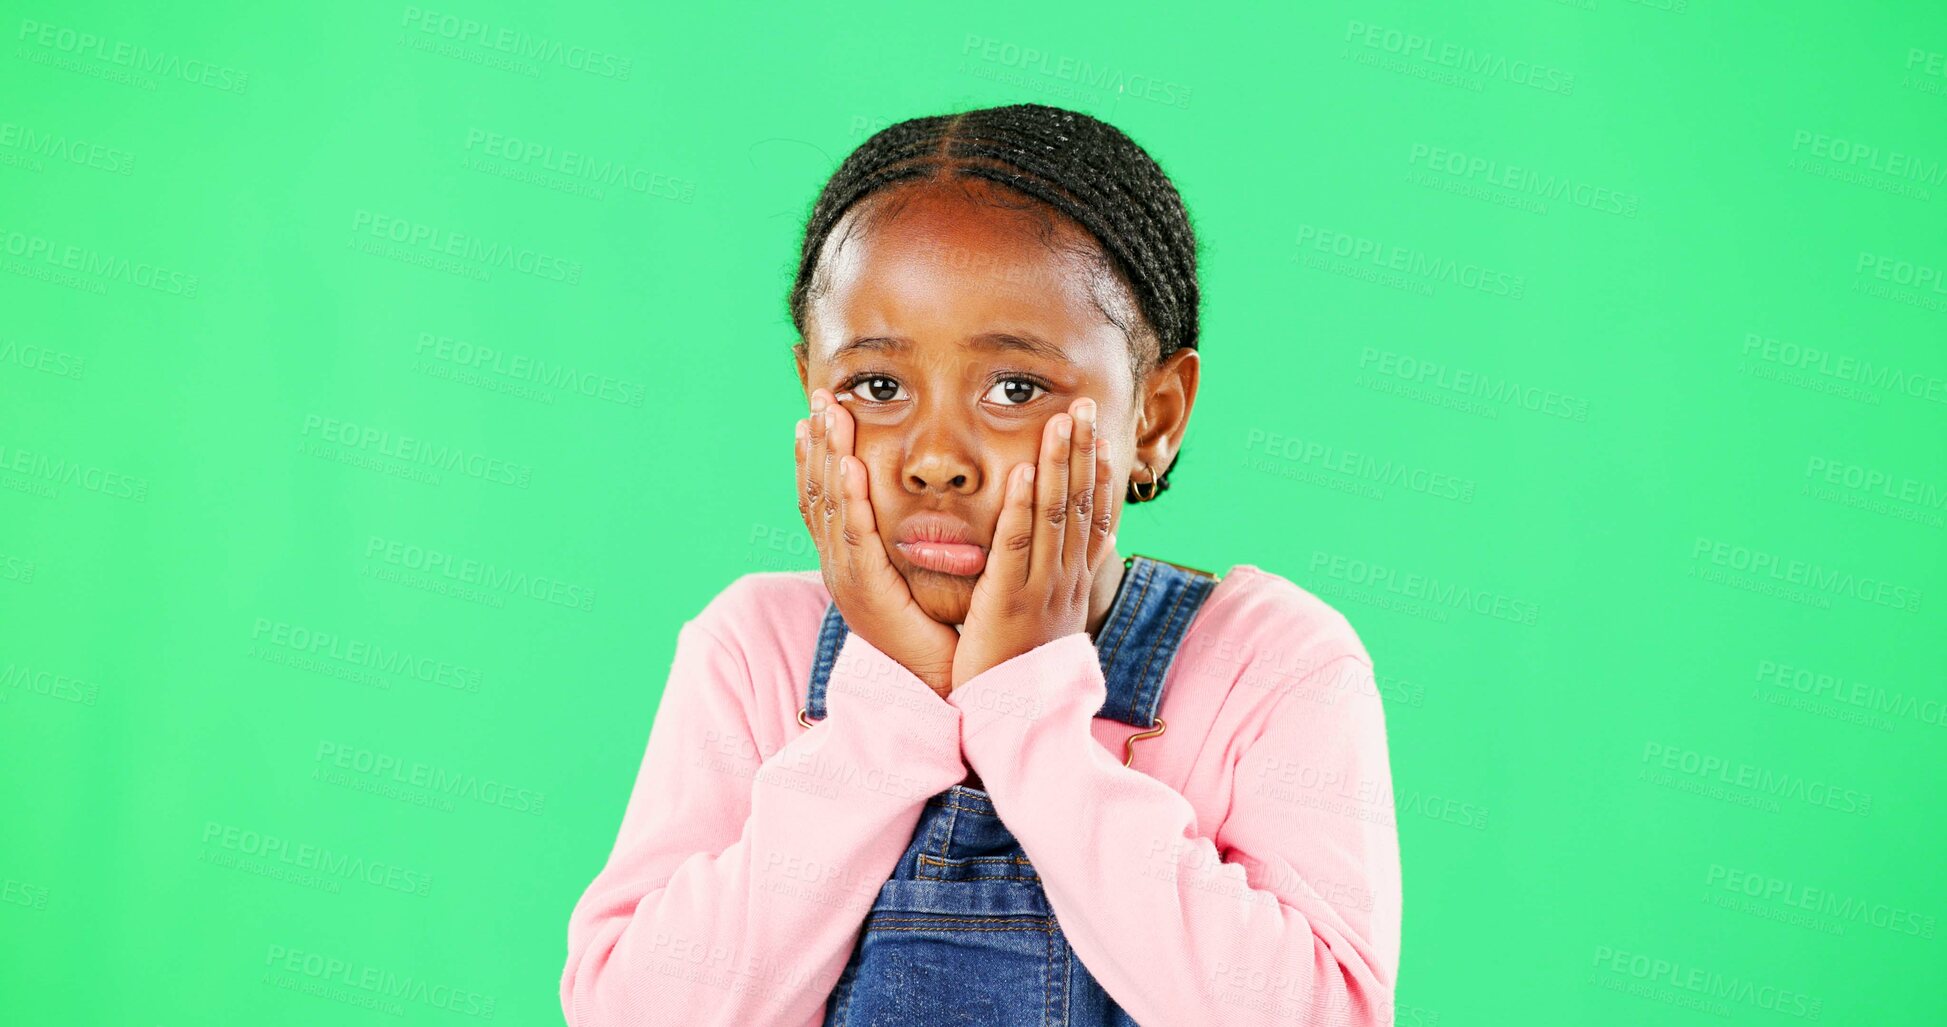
(1086, 169)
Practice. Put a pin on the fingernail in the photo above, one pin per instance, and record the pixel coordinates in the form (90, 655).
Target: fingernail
(817, 402)
(828, 420)
(1063, 428)
(1085, 412)
(801, 429)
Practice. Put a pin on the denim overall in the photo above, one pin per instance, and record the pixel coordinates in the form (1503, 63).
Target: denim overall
(961, 934)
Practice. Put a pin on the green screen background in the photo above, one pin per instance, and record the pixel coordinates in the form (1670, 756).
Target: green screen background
(1586, 355)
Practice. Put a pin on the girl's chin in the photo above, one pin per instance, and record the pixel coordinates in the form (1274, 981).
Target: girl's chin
(938, 582)
(943, 597)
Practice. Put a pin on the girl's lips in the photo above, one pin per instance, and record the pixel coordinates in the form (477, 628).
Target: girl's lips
(946, 557)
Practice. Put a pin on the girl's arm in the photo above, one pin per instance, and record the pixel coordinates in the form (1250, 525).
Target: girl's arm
(739, 880)
(1290, 914)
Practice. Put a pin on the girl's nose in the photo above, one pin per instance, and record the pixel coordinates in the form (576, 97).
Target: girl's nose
(940, 457)
(957, 483)
(937, 474)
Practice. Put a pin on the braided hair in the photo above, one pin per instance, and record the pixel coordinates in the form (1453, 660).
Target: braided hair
(1085, 169)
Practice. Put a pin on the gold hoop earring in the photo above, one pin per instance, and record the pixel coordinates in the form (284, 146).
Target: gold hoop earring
(1136, 495)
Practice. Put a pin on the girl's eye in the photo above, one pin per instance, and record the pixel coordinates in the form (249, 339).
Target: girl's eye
(876, 387)
(1015, 391)
(879, 388)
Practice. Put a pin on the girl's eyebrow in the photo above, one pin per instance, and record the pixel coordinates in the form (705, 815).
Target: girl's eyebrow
(1025, 342)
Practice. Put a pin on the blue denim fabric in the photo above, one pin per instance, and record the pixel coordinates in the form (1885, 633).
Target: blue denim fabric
(961, 933)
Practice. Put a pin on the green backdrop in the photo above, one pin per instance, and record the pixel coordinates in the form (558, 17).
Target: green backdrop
(382, 385)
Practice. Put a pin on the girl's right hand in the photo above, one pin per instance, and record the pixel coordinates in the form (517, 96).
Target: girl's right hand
(834, 500)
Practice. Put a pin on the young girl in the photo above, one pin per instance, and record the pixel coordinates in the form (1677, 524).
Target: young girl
(978, 768)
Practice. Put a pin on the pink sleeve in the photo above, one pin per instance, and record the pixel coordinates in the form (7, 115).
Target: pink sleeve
(1290, 914)
(739, 882)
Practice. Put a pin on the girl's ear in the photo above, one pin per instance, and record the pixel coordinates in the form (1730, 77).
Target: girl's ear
(798, 353)
(1168, 394)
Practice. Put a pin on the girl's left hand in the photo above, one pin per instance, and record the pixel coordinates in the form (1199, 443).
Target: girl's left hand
(1052, 534)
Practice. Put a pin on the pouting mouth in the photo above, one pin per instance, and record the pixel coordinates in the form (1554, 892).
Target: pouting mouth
(958, 559)
(938, 541)
(939, 528)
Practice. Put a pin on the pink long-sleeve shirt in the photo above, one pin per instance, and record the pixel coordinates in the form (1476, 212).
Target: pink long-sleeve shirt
(1244, 871)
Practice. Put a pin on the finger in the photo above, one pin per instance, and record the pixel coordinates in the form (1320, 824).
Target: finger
(839, 435)
(854, 523)
(1010, 556)
(824, 497)
(807, 488)
(807, 453)
(837, 533)
(1105, 516)
(1081, 494)
(800, 455)
(1050, 499)
(857, 528)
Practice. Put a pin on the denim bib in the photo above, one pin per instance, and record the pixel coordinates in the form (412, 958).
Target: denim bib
(962, 933)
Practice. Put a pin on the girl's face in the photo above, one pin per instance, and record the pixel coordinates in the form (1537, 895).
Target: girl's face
(959, 332)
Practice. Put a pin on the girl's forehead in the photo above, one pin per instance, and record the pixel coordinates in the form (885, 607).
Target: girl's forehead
(937, 266)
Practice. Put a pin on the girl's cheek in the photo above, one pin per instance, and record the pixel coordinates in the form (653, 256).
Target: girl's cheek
(866, 415)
